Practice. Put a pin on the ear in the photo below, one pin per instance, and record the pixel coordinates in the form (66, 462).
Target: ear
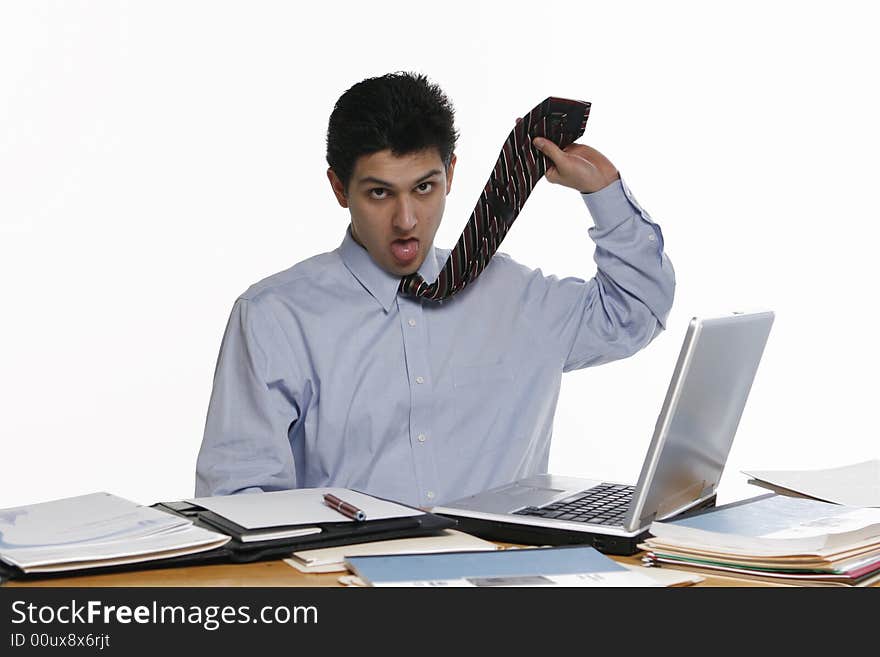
(450, 170)
(337, 187)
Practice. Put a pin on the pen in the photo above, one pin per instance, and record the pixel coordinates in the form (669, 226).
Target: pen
(346, 509)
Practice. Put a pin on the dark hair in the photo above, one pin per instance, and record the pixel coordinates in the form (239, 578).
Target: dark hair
(401, 111)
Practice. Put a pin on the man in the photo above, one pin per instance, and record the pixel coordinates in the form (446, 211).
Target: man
(327, 376)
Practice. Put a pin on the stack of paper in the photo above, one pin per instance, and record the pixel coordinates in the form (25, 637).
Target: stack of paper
(774, 538)
(95, 530)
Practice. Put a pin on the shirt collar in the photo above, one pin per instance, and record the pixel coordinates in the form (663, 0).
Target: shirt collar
(378, 282)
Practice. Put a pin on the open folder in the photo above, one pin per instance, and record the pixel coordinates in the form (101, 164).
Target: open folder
(235, 528)
(274, 524)
(300, 517)
(93, 531)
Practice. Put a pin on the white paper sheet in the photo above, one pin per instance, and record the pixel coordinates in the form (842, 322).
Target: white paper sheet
(300, 506)
(852, 485)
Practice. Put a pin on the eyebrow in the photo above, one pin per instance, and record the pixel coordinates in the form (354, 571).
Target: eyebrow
(377, 181)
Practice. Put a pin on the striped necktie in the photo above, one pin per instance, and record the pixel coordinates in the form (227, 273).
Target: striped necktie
(519, 168)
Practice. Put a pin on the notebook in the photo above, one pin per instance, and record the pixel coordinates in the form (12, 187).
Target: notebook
(692, 439)
(571, 566)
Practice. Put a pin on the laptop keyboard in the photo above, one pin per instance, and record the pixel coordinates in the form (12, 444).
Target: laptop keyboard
(605, 504)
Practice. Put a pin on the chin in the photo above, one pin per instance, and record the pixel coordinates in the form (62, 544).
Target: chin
(406, 271)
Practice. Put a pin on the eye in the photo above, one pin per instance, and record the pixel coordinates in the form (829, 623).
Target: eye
(378, 193)
(425, 187)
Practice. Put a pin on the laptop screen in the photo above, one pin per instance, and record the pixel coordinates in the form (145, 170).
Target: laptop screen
(700, 415)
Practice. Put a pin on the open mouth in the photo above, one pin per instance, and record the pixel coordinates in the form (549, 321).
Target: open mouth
(405, 251)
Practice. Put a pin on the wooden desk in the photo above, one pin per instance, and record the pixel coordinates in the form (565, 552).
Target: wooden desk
(264, 573)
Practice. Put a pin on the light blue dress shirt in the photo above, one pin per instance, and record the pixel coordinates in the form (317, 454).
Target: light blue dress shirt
(327, 377)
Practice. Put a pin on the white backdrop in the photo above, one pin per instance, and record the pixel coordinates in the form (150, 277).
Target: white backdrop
(156, 158)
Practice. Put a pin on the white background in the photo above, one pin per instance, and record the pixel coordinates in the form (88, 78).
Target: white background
(156, 158)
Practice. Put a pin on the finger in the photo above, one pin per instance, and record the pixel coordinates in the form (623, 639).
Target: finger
(549, 149)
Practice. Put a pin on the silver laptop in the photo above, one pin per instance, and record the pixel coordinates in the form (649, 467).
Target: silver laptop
(687, 454)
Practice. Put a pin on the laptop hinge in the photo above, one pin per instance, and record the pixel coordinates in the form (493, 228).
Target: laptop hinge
(677, 503)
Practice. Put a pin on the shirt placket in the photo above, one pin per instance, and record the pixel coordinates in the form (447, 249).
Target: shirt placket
(421, 385)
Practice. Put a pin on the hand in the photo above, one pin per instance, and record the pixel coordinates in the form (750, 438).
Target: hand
(578, 166)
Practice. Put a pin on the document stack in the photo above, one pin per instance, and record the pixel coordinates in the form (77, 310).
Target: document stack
(101, 531)
(773, 538)
(93, 531)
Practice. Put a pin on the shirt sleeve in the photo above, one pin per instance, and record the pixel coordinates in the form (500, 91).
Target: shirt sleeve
(625, 305)
(245, 447)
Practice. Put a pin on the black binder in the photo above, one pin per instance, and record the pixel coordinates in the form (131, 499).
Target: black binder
(238, 551)
(332, 533)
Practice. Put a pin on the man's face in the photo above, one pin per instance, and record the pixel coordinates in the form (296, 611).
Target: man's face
(396, 205)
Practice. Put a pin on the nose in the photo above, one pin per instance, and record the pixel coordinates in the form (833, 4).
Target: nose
(404, 220)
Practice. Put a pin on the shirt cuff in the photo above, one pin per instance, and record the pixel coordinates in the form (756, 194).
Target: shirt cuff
(614, 204)
(609, 206)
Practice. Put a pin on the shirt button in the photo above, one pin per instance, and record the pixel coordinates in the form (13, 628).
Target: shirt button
(412, 322)
(422, 437)
(651, 238)
(430, 494)
(420, 379)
